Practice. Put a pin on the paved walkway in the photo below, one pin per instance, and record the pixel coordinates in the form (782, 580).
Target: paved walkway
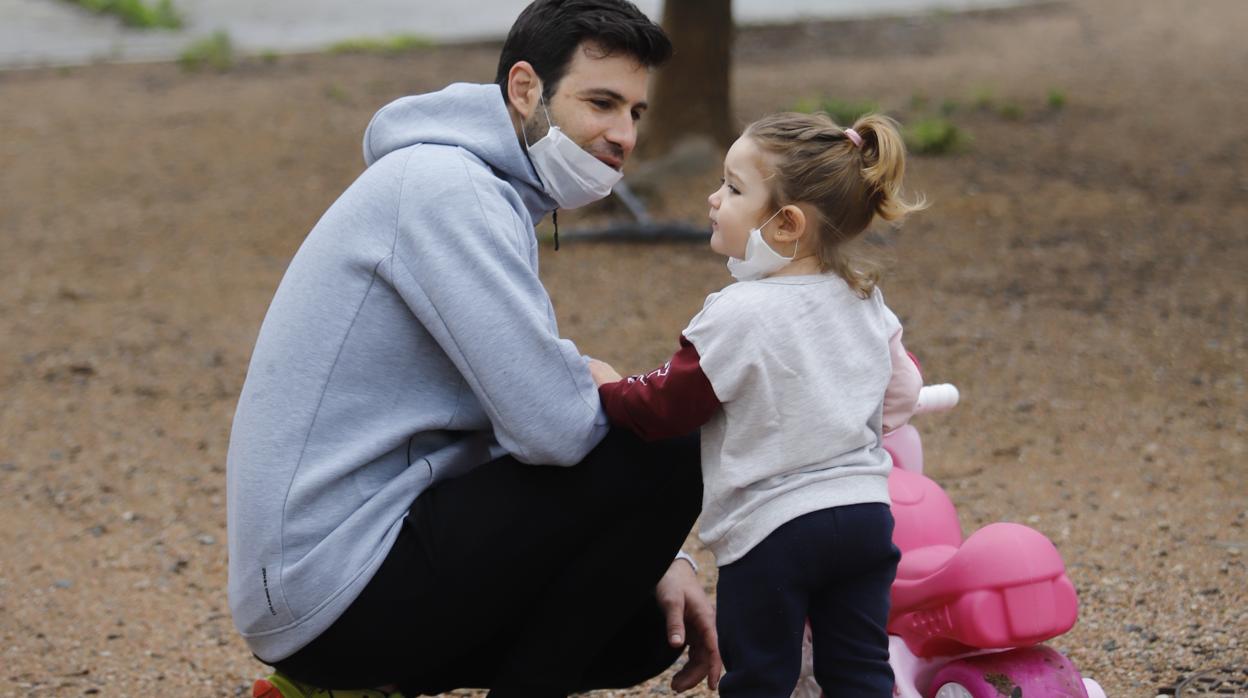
(56, 32)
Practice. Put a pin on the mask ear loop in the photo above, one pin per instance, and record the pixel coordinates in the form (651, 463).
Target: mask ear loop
(795, 242)
(542, 101)
(554, 215)
(550, 124)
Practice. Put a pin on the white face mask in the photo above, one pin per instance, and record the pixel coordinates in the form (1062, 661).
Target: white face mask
(568, 172)
(760, 260)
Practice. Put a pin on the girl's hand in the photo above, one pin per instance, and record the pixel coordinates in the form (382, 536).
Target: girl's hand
(602, 372)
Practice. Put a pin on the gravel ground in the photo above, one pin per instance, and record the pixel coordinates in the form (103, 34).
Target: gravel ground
(1080, 276)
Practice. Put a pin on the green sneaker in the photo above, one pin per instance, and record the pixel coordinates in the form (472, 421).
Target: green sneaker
(279, 685)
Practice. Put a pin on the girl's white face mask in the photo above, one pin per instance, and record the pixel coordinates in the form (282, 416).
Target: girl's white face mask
(760, 260)
(571, 176)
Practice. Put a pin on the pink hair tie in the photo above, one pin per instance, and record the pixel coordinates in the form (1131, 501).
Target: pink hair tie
(852, 135)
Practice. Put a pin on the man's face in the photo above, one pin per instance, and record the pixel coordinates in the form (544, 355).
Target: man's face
(597, 104)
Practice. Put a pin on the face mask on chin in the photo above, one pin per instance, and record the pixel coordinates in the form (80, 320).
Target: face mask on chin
(760, 260)
(569, 174)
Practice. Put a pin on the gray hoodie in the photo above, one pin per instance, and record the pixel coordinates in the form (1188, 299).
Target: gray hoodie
(409, 341)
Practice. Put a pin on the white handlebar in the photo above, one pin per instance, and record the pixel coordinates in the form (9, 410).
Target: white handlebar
(936, 398)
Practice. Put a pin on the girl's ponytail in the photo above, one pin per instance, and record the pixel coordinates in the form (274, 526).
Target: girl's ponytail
(884, 166)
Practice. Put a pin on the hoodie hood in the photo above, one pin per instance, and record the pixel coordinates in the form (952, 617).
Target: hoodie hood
(470, 116)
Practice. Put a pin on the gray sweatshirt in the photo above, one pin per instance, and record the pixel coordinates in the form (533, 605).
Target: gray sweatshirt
(409, 341)
(803, 367)
(793, 380)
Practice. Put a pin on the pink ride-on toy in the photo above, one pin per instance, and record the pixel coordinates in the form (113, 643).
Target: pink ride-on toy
(968, 614)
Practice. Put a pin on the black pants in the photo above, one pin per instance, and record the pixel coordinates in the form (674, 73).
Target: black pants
(528, 580)
(833, 566)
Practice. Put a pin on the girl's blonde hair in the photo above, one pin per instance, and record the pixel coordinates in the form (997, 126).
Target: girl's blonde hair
(817, 163)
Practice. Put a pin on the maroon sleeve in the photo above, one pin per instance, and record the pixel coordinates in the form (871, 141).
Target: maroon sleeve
(666, 402)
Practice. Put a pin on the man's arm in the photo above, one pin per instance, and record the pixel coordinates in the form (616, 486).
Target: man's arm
(463, 264)
(668, 401)
(690, 621)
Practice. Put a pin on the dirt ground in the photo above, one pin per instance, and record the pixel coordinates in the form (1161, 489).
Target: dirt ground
(1081, 276)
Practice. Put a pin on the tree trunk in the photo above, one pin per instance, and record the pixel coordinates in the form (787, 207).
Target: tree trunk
(691, 95)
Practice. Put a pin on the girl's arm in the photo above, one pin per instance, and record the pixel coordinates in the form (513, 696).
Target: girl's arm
(903, 387)
(666, 402)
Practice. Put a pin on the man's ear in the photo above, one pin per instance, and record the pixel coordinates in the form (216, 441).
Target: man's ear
(524, 89)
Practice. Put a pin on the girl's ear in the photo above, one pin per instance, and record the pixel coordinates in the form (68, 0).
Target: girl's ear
(791, 223)
(524, 88)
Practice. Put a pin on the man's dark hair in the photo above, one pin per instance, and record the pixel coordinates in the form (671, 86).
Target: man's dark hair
(548, 31)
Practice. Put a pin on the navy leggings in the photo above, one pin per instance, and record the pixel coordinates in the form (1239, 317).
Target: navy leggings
(833, 566)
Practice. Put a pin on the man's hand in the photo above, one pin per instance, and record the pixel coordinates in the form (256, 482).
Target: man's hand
(691, 621)
(602, 372)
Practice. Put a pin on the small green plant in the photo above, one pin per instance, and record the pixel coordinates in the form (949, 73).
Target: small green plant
(806, 105)
(268, 56)
(387, 45)
(843, 112)
(137, 13)
(1057, 99)
(983, 98)
(933, 136)
(216, 52)
(1011, 111)
(948, 107)
(335, 93)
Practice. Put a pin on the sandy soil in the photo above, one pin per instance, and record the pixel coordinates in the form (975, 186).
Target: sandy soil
(1080, 276)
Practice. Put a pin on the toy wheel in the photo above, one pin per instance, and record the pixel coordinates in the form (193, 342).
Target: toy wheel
(962, 679)
(954, 690)
(1033, 671)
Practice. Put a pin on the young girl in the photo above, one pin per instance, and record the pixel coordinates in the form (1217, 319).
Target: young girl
(793, 374)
